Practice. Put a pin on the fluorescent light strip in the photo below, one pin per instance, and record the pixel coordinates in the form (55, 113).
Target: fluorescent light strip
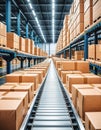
(53, 20)
(31, 7)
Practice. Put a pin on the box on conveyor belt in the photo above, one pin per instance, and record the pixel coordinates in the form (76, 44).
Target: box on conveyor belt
(2, 29)
(12, 40)
(32, 78)
(82, 66)
(11, 113)
(58, 64)
(93, 120)
(36, 72)
(18, 95)
(64, 73)
(81, 79)
(68, 65)
(88, 100)
(23, 87)
(75, 88)
(21, 44)
(38, 69)
(74, 79)
(14, 77)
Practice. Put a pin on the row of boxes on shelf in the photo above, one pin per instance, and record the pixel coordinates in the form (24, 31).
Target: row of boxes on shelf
(83, 14)
(13, 41)
(17, 94)
(94, 51)
(84, 88)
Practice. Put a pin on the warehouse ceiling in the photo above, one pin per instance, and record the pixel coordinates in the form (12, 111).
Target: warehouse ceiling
(45, 17)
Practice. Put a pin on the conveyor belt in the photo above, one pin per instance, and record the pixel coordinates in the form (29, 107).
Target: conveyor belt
(52, 108)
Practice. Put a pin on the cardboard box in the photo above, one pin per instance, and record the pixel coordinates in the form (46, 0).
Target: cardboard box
(93, 120)
(2, 93)
(27, 45)
(88, 100)
(19, 95)
(32, 78)
(35, 51)
(3, 40)
(2, 29)
(21, 44)
(68, 65)
(98, 52)
(12, 40)
(39, 69)
(96, 11)
(92, 51)
(32, 47)
(64, 73)
(11, 110)
(75, 88)
(82, 66)
(13, 77)
(74, 79)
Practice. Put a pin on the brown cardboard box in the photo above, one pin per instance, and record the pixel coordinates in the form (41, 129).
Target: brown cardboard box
(64, 73)
(93, 120)
(2, 93)
(35, 51)
(21, 44)
(68, 65)
(74, 79)
(13, 78)
(31, 78)
(19, 95)
(2, 29)
(36, 72)
(12, 40)
(88, 100)
(96, 11)
(75, 88)
(98, 52)
(92, 51)
(27, 45)
(32, 47)
(88, 17)
(3, 40)
(40, 69)
(29, 87)
(82, 66)
(11, 114)
(25, 88)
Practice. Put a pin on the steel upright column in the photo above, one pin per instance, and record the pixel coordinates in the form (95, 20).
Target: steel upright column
(18, 23)
(8, 15)
(86, 46)
(27, 30)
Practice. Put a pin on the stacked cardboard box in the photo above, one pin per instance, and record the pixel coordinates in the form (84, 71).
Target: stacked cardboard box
(88, 13)
(98, 51)
(21, 44)
(65, 31)
(92, 51)
(79, 55)
(32, 47)
(12, 40)
(27, 45)
(96, 11)
(93, 120)
(3, 40)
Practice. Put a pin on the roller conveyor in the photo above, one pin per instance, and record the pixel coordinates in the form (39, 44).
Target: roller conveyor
(52, 108)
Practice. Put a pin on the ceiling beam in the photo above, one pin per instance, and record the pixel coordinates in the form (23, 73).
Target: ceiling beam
(48, 13)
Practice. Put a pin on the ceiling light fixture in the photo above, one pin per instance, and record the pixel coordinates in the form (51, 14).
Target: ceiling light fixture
(53, 20)
(37, 21)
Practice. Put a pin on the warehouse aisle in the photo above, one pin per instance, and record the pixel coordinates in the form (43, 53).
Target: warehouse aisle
(52, 113)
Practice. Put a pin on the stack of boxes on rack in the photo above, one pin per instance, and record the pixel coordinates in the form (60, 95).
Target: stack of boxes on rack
(83, 14)
(17, 94)
(84, 88)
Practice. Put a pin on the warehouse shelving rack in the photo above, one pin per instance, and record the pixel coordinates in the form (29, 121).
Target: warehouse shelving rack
(89, 36)
(9, 54)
